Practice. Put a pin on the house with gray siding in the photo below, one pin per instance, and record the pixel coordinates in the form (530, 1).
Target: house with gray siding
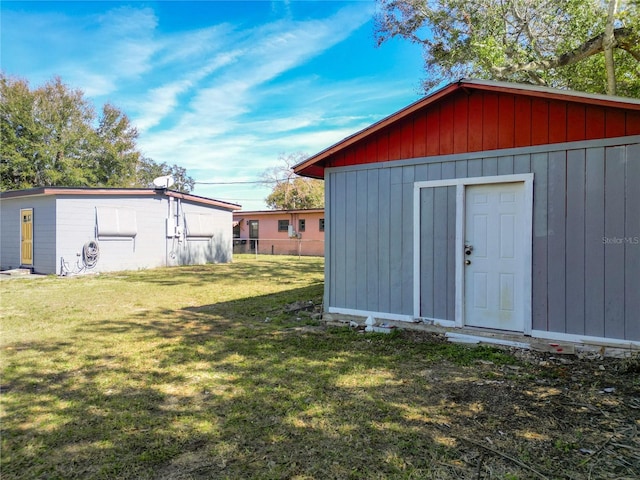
(490, 208)
(62, 231)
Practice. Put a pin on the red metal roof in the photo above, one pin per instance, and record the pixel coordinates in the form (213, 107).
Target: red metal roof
(479, 115)
(136, 192)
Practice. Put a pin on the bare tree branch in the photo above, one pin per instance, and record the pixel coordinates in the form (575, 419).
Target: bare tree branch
(625, 38)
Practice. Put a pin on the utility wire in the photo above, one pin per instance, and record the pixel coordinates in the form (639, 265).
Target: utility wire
(233, 200)
(244, 183)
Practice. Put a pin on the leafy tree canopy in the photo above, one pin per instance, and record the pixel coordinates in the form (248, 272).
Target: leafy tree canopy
(585, 45)
(52, 136)
(290, 191)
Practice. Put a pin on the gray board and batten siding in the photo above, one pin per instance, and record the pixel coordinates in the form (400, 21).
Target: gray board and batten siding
(586, 235)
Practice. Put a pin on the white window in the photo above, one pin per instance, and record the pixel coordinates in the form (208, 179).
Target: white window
(116, 222)
(200, 224)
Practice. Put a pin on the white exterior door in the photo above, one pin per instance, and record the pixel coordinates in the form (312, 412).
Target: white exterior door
(494, 268)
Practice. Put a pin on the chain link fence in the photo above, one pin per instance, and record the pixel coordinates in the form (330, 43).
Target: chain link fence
(279, 246)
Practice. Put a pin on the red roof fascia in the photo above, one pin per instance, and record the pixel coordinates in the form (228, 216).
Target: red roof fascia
(314, 165)
(311, 166)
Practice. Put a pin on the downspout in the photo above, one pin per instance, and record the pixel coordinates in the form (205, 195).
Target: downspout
(169, 237)
(180, 231)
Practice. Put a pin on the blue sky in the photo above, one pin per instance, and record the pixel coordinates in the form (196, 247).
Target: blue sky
(220, 88)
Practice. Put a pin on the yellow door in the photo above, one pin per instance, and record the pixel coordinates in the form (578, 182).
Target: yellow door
(26, 238)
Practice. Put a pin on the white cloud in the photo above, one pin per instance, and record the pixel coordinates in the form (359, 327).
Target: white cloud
(125, 39)
(163, 100)
(223, 100)
(195, 45)
(95, 85)
(91, 52)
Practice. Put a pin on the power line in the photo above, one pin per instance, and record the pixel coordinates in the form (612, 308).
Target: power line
(240, 199)
(243, 183)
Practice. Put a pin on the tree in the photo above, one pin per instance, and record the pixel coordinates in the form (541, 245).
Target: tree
(147, 170)
(116, 153)
(290, 191)
(586, 45)
(46, 135)
(18, 133)
(51, 136)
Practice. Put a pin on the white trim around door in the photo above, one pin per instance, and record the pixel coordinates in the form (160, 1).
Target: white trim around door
(461, 185)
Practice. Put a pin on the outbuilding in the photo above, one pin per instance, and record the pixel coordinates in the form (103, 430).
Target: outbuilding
(489, 207)
(53, 230)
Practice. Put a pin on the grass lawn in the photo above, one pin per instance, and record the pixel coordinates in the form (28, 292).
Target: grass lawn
(214, 372)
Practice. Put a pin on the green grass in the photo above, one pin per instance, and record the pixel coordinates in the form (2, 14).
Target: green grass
(201, 372)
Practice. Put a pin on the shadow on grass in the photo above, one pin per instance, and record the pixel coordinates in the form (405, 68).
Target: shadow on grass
(266, 268)
(243, 389)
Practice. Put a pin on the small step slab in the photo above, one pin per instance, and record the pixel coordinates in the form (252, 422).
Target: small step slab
(16, 271)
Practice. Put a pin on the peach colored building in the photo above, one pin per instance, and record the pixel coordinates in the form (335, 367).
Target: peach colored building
(279, 232)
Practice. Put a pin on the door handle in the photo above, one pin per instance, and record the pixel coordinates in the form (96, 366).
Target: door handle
(467, 262)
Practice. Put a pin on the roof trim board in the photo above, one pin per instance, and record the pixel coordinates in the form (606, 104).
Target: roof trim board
(44, 191)
(278, 212)
(507, 152)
